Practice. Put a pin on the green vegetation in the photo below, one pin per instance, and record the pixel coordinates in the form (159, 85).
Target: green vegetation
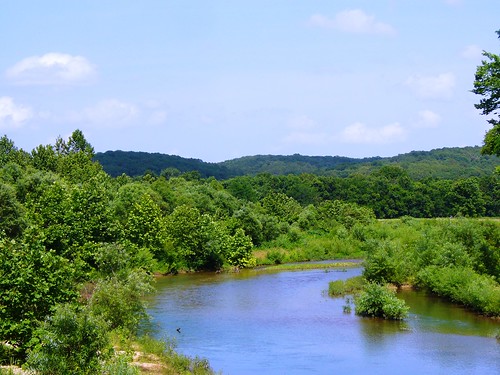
(379, 301)
(446, 163)
(352, 286)
(79, 248)
(458, 259)
(310, 266)
(487, 84)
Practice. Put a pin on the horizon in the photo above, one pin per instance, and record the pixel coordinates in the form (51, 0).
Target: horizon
(221, 80)
(286, 155)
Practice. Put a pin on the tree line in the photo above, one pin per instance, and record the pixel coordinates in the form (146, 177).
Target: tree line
(78, 247)
(445, 163)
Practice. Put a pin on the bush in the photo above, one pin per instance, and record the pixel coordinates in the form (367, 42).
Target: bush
(72, 341)
(275, 256)
(386, 262)
(463, 285)
(120, 301)
(378, 301)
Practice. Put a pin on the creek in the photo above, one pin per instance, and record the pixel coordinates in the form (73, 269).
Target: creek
(263, 322)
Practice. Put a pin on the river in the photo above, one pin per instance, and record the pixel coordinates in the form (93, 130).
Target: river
(258, 322)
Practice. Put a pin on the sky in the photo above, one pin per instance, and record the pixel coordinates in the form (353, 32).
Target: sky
(221, 79)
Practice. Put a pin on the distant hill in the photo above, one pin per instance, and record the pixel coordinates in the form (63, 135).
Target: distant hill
(134, 164)
(448, 163)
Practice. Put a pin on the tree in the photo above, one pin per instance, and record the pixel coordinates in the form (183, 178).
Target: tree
(487, 84)
(32, 281)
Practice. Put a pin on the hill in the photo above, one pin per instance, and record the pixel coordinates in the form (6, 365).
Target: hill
(134, 163)
(447, 163)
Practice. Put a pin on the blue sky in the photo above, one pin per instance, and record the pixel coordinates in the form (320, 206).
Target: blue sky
(221, 79)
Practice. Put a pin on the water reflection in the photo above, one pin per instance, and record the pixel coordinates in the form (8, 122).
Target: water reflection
(275, 323)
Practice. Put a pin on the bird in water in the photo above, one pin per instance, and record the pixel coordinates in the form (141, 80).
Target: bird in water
(178, 330)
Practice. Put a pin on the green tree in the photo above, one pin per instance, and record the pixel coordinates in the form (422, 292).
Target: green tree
(10, 153)
(282, 206)
(146, 227)
(32, 281)
(11, 212)
(240, 250)
(466, 197)
(487, 84)
(198, 240)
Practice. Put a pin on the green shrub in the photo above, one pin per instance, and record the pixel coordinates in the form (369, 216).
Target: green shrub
(463, 285)
(71, 341)
(275, 256)
(387, 262)
(378, 301)
(120, 301)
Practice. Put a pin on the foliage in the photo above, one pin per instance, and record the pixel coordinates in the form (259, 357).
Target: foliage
(32, 281)
(379, 301)
(119, 301)
(444, 163)
(11, 212)
(487, 84)
(67, 226)
(463, 285)
(71, 341)
(386, 262)
(352, 285)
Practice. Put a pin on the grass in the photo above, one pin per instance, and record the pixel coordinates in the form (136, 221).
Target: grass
(339, 288)
(308, 266)
(149, 355)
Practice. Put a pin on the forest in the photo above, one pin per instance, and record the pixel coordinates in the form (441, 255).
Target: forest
(445, 163)
(79, 248)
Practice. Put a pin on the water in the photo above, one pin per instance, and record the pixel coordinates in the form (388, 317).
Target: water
(256, 322)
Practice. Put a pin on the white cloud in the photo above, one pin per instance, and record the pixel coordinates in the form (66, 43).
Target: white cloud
(352, 21)
(472, 52)
(13, 115)
(360, 133)
(428, 119)
(51, 69)
(435, 87)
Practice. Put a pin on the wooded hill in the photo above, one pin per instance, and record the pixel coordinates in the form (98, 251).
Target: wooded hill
(445, 163)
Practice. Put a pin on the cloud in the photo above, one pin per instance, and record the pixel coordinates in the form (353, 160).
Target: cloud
(434, 87)
(13, 115)
(352, 21)
(360, 133)
(51, 69)
(472, 52)
(428, 119)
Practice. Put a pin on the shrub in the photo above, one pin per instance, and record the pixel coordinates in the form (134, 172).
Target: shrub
(71, 341)
(463, 285)
(120, 302)
(378, 301)
(275, 256)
